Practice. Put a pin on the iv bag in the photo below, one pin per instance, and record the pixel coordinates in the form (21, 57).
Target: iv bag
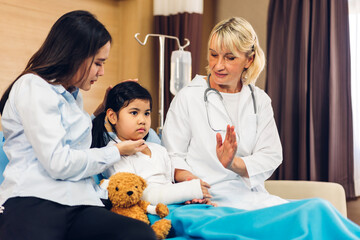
(180, 74)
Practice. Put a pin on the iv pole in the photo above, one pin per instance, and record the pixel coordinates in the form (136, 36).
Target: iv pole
(161, 69)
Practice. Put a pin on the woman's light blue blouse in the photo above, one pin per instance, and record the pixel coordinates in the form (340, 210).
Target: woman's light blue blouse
(47, 140)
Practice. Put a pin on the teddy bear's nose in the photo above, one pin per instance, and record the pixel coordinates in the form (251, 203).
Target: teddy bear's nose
(129, 193)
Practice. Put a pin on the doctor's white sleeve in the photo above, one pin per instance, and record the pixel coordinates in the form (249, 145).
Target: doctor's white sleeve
(267, 152)
(177, 132)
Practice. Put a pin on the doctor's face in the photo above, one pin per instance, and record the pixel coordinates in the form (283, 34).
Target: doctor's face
(133, 121)
(226, 68)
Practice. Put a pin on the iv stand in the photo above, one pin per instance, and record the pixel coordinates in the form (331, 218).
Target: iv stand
(161, 69)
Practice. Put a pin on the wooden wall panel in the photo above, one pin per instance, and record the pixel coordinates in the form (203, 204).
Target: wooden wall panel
(24, 25)
(137, 61)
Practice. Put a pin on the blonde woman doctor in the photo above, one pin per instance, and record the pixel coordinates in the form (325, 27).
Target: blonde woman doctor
(220, 128)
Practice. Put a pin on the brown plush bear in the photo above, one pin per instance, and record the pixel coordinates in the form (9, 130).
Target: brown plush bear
(125, 190)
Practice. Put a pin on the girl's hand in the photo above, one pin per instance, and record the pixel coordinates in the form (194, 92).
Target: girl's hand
(130, 147)
(201, 201)
(226, 150)
(204, 188)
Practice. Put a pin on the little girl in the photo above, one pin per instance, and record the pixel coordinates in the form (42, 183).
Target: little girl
(128, 111)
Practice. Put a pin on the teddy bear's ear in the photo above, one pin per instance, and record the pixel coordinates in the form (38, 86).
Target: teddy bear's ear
(143, 183)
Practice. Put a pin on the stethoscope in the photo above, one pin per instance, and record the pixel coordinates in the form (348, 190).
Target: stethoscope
(210, 89)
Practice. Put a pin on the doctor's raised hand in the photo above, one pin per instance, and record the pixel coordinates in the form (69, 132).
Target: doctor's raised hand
(226, 150)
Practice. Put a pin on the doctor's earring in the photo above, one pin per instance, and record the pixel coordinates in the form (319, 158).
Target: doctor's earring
(244, 76)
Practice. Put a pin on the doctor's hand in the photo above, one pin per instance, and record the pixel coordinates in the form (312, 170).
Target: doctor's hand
(205, 191)
(226, 150)
(130, 147)
(201, 201)
(184, 175)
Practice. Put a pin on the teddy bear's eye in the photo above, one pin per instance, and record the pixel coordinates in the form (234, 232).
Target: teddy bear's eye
(117, 189)
(135, 186)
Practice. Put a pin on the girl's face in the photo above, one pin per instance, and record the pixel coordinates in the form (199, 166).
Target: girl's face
(95, 69)
(226, 68)
(133, 121)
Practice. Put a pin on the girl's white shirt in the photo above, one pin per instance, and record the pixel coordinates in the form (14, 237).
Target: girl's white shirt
(159, 175)
(155, 169)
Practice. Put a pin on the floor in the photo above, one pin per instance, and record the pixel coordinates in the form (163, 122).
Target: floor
(353, 210)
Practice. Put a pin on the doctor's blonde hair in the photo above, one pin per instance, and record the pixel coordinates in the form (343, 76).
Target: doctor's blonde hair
(236, 34)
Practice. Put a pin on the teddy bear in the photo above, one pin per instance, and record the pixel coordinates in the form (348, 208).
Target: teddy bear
(125, 191)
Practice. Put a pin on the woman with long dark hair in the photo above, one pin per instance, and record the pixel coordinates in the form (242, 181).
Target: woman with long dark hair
(48, 191)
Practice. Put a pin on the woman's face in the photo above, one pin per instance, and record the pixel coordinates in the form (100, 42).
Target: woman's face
(133, 121)
(226, 68)
(94, 71)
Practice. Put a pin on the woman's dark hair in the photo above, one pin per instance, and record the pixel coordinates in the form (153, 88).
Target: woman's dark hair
(73, 38)
(118, 97)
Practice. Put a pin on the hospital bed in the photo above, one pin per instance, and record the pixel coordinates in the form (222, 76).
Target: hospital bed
(332, 192)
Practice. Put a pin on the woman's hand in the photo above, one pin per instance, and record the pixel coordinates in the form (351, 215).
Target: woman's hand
(101, 107)
(226, 150)
(201, 201)
(206, 195)
(205, 189)
(131, 80)
(130, 147)
(184, 175)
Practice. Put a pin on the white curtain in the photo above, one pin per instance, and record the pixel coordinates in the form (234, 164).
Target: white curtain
(354, 24)
(166, 7)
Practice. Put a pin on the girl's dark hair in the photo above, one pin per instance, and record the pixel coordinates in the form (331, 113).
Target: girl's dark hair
(118, 97)
(73, 38)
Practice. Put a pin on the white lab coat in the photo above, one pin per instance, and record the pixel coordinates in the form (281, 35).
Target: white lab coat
(191, 144)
